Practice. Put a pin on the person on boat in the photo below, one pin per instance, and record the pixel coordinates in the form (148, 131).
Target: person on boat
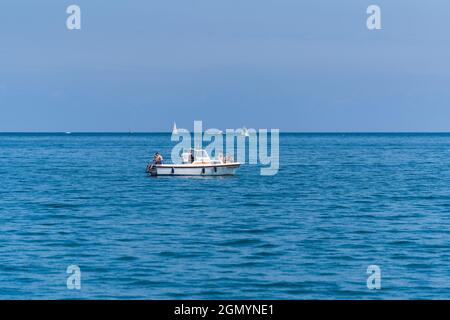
(191, 156)
(157, 159)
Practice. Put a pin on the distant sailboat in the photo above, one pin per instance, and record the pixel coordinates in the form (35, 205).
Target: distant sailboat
(174, 130)
(215, 131)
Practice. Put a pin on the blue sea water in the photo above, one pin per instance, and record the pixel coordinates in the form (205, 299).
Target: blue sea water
(340, 203)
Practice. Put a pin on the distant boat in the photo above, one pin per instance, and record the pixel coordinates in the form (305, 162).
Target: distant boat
(245, 132)
(174, 130)
(215, 131)
(68, 132)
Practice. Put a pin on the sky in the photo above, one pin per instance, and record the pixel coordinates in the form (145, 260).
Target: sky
(294, 65)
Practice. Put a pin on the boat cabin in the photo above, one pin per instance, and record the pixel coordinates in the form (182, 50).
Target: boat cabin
(197, 156)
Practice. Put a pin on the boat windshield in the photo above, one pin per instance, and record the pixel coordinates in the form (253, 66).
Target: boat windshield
(202, 156)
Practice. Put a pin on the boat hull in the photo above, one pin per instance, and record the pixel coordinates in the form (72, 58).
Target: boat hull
(198, 170)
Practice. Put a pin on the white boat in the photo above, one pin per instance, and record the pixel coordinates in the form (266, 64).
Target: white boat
(196, 163)
(174, 130)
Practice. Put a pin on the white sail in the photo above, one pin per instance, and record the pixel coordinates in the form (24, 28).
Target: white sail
(174, 130)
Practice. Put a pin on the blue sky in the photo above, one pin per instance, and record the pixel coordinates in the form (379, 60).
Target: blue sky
(295, 65)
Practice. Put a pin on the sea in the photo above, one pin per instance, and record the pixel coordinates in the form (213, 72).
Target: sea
(347, 216)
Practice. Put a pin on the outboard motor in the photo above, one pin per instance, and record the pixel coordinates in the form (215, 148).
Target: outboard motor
(151, 169)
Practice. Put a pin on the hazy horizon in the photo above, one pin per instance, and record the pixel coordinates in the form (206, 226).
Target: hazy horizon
(169, 132)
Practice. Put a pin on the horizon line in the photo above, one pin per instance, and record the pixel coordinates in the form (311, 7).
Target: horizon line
(169, 132)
